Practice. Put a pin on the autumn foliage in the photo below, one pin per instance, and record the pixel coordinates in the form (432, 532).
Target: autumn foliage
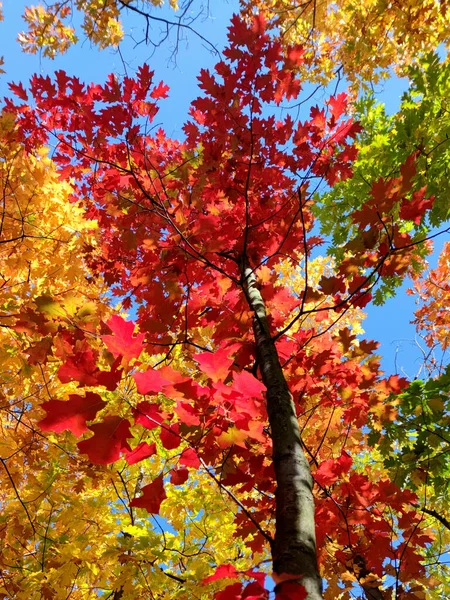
(361, 41)
(186, 392)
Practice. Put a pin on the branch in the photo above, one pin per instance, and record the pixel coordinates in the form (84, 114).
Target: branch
(248, 514)
(372, 592)
(433, 513)
(168, 24)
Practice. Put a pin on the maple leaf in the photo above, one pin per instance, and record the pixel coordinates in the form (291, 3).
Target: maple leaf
(39, 351)
(330, 470)
(170, 436)
(233, 435)
(331, 285)
(18, 90)
(141, 452)
(216, 365)
(123, 342)
(150, 382)
(231, 592)
(82, 367)
(318, 118)
(160, 91)
(414, 209)
(247, 384)
(149, 415)
(152, 496)
(189, 458)
(108, 441)
(292, 591)
(227, 570)
(71, 414)
(46, 304)
(338, 105)
(179, 476)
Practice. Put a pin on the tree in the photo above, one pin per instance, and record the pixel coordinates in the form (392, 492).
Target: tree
(431, 317)
(419, 430)
(362, 41)
(55, 503)
(50, 27)
(201, 238)
(419, 129)
(44, 293)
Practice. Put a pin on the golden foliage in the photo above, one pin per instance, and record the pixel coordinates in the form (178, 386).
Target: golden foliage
(66, 528)
(363, 39)
(50, 27)
(318, 267)
(432, 317)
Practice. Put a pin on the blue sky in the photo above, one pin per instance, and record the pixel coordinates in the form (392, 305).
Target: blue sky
(389, 324)
(179, 71)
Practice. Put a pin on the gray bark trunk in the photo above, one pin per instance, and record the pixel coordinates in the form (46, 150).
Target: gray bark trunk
(294, 547)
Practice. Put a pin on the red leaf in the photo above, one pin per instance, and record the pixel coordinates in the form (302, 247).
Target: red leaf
(291, 591)
(318, 117)
(110, 379)
(145, 75)
(142, 451)
(190, 458)
(152, 496)
(108, 441)
(258, 576)
(160, 91)
(80, 367)
(393, 385)
(150, 382)
(39, 351)
(295, 56)
(149, 415)
(123, 343)
(222, 572)
(338, 105)
(407, 172)
(18, 90)
(413, 210)
(331, 285)
(330, 470)
(170, 436)
(187, 414)
(216, 365)
(231, 592)
(245, 383)
(362, 299)
(72, 414)
(179, 476)
(254, 591)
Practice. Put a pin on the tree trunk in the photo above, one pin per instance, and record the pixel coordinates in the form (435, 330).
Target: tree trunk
(294, 547)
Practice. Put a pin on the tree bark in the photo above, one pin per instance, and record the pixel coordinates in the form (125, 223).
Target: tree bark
(294, 547)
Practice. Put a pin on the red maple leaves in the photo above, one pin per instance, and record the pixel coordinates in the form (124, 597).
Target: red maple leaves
(123, 342)
(152, 496)
(108, 442)
(71, 414)
(331, 470)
